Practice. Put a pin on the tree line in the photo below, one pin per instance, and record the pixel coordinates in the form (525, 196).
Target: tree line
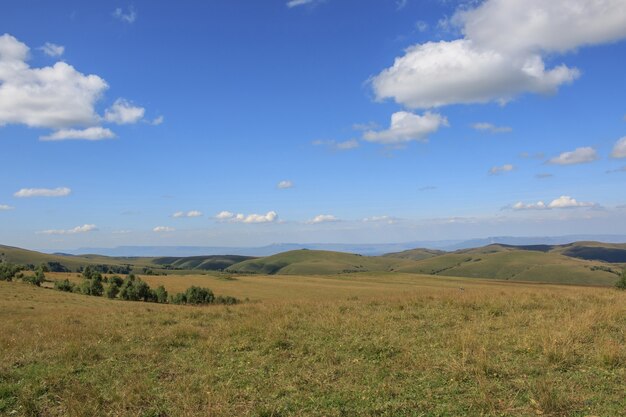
(129, 288)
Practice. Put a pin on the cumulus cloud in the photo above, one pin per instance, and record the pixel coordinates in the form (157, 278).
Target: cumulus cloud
(90, 133)
(157, 121)
(323, 218)
(501, 53)
(406, 127)
(501, 169)
(43, 192)
(577, 156)
(163, 229)
(619, 150)
(52, 49)
(182, 214)
(5, 207)
(285, 184)
(78, 229)
(562, 202)
(128, 16)
(57, 96)
(491, 128)
(338, 146)
(122, 112)
(269, 217)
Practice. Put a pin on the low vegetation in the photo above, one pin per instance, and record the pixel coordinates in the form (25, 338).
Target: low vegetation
(390, 346)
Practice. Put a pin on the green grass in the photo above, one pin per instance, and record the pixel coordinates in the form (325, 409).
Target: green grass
(361, 345)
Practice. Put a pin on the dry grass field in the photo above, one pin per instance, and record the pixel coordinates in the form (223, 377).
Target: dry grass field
(352, 345)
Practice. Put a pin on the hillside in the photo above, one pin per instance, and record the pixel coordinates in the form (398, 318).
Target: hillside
(542, 264)
(415, 254)
(206, 263)
(311, 262)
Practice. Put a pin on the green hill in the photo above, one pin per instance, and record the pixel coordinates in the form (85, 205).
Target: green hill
(313, 262)
(206, 263)
(542, 264)
(415, 254)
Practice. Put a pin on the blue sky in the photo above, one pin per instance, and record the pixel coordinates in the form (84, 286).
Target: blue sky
(246, 123)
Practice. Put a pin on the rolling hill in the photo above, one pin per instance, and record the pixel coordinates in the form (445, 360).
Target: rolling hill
(312, 262)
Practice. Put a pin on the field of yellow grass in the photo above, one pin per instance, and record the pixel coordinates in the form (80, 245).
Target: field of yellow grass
(353, 345)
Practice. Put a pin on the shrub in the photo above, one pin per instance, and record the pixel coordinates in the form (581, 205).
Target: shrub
(8, 271)
(226, 299)
(34, 279)
(134, 289)
(199, 295)
(112, 290)
(64, 285)
(161, 294)
(92, 287)
(621, 283)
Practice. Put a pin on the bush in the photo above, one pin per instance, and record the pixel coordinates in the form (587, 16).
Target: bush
(199, 295)
(64, 285)
(226, 299)
(92, 287)
(134, 289)
(34, 279)
(621, 283)
(161, 294)
(112, 290)
(8, 271)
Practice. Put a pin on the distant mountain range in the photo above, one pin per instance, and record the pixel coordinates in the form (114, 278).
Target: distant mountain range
(362, 249)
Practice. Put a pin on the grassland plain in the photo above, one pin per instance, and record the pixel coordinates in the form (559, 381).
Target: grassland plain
(350, 345)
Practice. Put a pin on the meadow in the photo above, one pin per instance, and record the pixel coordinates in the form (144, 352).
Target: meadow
(360, 344)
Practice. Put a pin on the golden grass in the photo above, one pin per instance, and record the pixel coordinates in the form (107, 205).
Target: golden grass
(355, 345)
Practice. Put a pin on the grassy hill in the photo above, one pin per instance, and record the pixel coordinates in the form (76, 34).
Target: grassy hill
(313, 262)
(541, 264)
(206, 263)
(415, 254)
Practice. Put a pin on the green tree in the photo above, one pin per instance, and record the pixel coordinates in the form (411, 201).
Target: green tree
(8, 271)
(161, 294)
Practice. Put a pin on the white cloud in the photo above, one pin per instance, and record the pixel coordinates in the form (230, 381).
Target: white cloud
(619, 150)
(562, 202)
(224, 215)
(296, 3)
(90, 133)
(501, 54)
(401, 4)
(323, 218)
(5, 207)
(182, 214)
(338, 146)
(163, 229)
(129, 17)
(547, 26)
(501, 169)
(491, 128)
(52, 49)
(577, 156)
(158, 120)
(43, 192)
(406, 127)
(122, 112)
(269, 217)
(380, 219)
(78, 229)
(442, 73)
(56, 96)
(285, 184)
